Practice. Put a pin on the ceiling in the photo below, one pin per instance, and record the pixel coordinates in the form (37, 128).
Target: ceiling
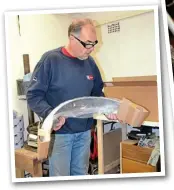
(104, 17)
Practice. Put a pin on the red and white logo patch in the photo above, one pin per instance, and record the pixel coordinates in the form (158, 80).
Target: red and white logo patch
(90, 77)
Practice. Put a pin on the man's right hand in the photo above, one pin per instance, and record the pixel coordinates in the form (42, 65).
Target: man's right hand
(59, 124)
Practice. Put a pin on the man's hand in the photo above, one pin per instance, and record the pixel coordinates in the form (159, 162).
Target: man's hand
(113, 116)
(60, 123)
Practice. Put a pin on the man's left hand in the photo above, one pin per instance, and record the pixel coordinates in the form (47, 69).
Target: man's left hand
(113, 116)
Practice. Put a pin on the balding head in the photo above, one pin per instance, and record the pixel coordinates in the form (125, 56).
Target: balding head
(77, 25)
(82, 38)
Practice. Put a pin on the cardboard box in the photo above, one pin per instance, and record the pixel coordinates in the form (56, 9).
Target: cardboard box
(132, 113)
(42, 150)
(17, 119)
(43, 147)
(18, 137)
(136, 91)
(135, 78)
(18, 125)
(134, 158)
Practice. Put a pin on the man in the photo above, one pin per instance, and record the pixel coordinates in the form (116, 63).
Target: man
(63, 74)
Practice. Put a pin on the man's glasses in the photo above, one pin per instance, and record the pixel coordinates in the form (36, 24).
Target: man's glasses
(86, 45)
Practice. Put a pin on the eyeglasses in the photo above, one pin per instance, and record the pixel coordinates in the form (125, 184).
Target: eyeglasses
(86, 45)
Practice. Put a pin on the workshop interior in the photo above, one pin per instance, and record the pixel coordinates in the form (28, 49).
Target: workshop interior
(127, 59)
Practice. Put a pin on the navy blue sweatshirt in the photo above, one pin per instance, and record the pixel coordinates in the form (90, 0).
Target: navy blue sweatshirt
(58, 78)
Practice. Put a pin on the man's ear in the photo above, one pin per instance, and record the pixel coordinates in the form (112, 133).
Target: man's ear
(71, 37)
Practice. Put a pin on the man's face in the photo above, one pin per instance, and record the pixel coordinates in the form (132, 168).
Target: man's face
(87, 38)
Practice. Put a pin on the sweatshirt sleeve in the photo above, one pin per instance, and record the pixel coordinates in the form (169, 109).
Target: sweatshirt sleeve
(98, 82)
(36, 93)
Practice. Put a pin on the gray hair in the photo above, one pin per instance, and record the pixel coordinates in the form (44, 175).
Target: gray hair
(77, 24)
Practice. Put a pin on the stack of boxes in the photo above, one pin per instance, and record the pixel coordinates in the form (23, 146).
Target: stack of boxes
(18, 127)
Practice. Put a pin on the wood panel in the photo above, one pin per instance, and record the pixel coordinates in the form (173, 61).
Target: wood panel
(135, 78)
(23, 162)
(26, 63)
(131, 166)
(20, 173)
(136, 153)
(26, 160)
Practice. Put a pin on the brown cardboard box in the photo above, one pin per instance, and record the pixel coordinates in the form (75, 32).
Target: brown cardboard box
(43, 147)
(136, 91)
(135, 78)
(31, 161)
(134, 158)
(41, 152)
(132, 113)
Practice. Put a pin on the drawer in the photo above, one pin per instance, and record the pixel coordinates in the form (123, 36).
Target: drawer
(131, 166)
(133, 152)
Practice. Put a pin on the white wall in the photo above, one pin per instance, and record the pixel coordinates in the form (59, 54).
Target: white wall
(15, 64)
(130, 52)
(39, 33)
